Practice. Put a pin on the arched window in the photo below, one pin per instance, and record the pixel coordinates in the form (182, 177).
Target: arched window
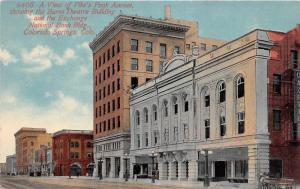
(222, 92)
(154, 109)
(175, 105)
(146, 115)
(137, 117)
(240, 87)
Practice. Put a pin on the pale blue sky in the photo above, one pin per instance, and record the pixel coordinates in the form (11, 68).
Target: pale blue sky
(56, 92)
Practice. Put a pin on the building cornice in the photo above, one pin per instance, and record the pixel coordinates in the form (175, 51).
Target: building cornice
(77, 132)
(112, 137)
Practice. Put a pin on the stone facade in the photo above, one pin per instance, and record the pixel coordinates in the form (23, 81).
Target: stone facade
(216, 102)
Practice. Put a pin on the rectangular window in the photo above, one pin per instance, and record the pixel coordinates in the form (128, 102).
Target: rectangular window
(108, 90)
(100, 112)
(99, 62)
(149, 65)
(96, 126)
(118, 47)
(96, 112)
(96, 80)
(104, 109)
(113, 86)
(103, 75)
(207, 128)
(108, 54)
(163, 50)
(100, 92)
(96, 64)
(148, 79)
(222, 96)
(241, 122)
(214, 47)
(277, 119)
(113, 105)
(96, 96)
(155, 137)
(146, 139)
(175, 109)
(118, 84)
(277, 83)
(134, 64)
(99, 77)
(118, 66)
(108, 72)
(119, 102)
(100, 127)
(108, 107)
(186, 106)
(207, 101)
(148, 47)
(134, 82)
(113, 123)
(134, 45)
(294, 58)
(222, 126)
(103, 57)
(113, 69)
(108, 124)
(113, 51)
(241, 168)
(119, 121)
(138, 141)
(175, 134)
(104, 125)
(104, 92)
(203, 46)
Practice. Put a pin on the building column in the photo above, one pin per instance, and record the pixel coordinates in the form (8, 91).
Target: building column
(112, 167)
(182, 170)
(212, 169)
(122, 168)
(104, 168)
(258, 163)
(172, 171)
(232, 169)
(193, 170)
(162, 168)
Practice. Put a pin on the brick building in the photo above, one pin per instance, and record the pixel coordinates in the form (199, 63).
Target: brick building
(28, 142)
(72, 152)
(284, 127)
(127, 53)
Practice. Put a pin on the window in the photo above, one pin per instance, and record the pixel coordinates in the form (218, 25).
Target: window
(118, 47)
(148, 47)
(146, 115)
(113, 69)
(155, 137)
(241, 122)
(138, 141)
(149, 65)
(96, 96)
(118, 65)
(113, 105)
(277, 119)
(134, 82)
(275, 168)
(96, 80)
(188, 46)
(146, 139)
(240, 87)
(96, 112)
(99, 77)
(137, 115)
(222, 92)
(104, 109)
(96, 126)
(203, 46)
(177, 49)
(148, 79)
(207, 128)
(108, 89)
(104, 92)
(113, 51)
(214, 47)
(100, 110)
(175, 104)
(99, 62)
(134, 64)
(277, 83)
(113, 123)
(108, 72)
(119, 122)
(118, 84)
(294, 58)
(108, 107)
(108, 124)
(206, 100)
(96, 64)
(186, 105)
(222, 126)
(154, 109)
(89, 145)
(113, 86)
(166, 108)
(104, 125)
(100, 92)
(103, 57)
(119, 102)
(100, 127)
(134, 44)
(163, 50)
(103, 75)
(108, 54)
(241, 168)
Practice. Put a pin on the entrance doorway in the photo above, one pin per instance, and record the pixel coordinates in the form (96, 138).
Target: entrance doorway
(220, 170)
(276, 168)
(75, 170)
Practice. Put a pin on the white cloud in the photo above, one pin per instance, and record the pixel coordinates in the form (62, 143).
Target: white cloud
(7, 98)
(47, 94)
(41, 58)
(83, 70)
(5, 57)
(84, 45)
(65, 112)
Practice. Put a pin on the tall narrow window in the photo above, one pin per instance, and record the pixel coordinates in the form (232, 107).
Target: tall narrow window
(177, 49)
(146, 115)
(113, 51)
(154, 109)
(134, 44)
(149, 65)
(146, 139)
(222, 126)
(166, 108)
(203, 46)
(118, 84)
(104, 92)
(119, 121)
(119, 103)
(206, 100)
(113, 86)
(134, 64)
(294, 58)
(240, 87)
(118, 47)
(118, 66)
(108, 124)
(163, 50)
(103, 75)
(277, 84)
(155, 137)
(99, 62)
(137, 115)
(108, 72)
(138, 141)
(108, 107)
(222, 92)
(241, 122)
(134, 82)
(113, 69)
(113, 105)
(113, 123)
(186, 105)
(148, 47)
(207, 128)
(277, 119)
(175, 105)
(103, 58)
(108, 54)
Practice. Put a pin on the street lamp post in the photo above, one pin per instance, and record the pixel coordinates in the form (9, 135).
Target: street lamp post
(100, 168)
(206, 179)
(126, 170)
(153, 170)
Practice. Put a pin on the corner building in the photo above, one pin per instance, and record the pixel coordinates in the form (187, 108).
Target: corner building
(216, 102)
(126, 54)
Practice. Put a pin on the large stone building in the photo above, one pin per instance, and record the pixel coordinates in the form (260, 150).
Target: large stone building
(216, 102)
(127, 53)
(73, 153)
(28, 142)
